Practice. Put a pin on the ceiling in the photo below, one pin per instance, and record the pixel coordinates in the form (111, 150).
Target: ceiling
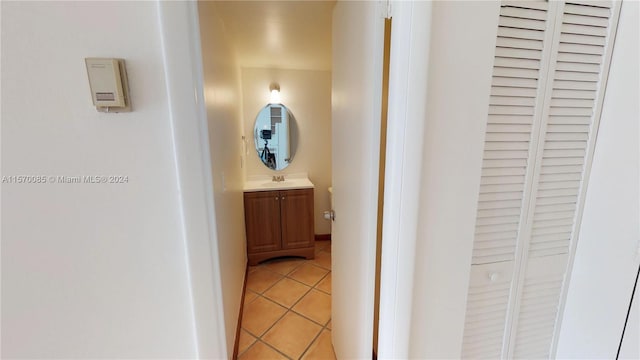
(279, 34)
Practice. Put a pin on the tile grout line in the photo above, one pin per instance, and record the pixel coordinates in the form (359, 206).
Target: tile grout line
(287, 276)
(290, 271)
(269, 328)
(289, 309)
(277, 350)
(311, 286)
(316, 338)
(274, 324)
(316, 285)
(259, 338)
(272, 285)
(311, 344)
(305, 261)
(267, 345)
(322, 327)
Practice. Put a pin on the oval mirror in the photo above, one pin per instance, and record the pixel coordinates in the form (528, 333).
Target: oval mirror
(274, 134)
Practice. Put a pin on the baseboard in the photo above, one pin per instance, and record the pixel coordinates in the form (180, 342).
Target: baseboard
(320, 237)
(236, 344)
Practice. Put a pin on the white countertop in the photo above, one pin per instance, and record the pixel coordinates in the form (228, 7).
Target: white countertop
(265, 183)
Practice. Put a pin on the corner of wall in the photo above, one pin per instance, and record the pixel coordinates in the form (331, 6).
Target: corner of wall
(223, 102)
(183, 66)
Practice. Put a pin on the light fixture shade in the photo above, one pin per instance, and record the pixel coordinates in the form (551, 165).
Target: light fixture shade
(275, 96)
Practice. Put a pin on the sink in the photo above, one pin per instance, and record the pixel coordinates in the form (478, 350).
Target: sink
(276, 183)
(290, 182)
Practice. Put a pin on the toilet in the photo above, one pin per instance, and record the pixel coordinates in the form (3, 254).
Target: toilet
(328, 215)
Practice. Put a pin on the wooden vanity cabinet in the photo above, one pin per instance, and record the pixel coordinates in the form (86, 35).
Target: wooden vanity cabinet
(279, 223)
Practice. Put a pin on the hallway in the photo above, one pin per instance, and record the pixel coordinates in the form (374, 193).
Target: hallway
(287, 309)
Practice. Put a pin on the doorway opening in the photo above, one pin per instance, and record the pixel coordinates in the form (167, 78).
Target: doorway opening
(327, 60)
(250, 49)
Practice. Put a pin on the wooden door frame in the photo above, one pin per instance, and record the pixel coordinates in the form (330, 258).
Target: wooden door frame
(408, 70)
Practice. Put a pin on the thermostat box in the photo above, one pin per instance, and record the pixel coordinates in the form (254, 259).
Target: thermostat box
(108, 83)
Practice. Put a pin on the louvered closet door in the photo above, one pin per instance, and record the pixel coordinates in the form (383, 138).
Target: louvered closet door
(549, 68)
(516, 95)
(577, 77)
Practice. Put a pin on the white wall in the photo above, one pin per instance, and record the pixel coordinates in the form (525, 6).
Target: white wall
(307, 94)
(608, 250)
(89, 270)
(630, 348)
(456, 111)
(224, 108)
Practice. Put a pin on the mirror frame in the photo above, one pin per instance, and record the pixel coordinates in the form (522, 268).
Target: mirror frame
(260, 135)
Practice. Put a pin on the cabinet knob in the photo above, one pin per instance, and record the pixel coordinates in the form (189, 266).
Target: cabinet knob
(276, 198)
(282, 198)
(493, 277)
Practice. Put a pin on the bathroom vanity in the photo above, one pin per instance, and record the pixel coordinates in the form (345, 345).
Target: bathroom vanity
(279, 219)
(278, 210)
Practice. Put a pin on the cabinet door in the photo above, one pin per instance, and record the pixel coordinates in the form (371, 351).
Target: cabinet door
(262, 217)
(297, 218)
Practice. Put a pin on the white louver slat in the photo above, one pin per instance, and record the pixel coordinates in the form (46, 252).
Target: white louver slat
(583, 32)
(540, 300)
(574, 92)
(487, 310)
(548, 79)
(514, 92)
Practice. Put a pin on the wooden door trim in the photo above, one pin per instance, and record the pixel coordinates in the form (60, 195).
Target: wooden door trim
(236, 344)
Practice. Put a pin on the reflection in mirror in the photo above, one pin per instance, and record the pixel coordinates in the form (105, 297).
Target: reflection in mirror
(274, 136)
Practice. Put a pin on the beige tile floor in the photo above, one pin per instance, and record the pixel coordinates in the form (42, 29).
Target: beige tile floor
(287, 309)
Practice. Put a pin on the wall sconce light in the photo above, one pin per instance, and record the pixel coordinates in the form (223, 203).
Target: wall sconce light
(275, 94)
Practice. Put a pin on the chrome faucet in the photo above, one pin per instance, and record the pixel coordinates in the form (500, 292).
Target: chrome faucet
(277, 178)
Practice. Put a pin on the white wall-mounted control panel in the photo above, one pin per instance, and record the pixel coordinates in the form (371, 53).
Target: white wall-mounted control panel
(109, 84)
